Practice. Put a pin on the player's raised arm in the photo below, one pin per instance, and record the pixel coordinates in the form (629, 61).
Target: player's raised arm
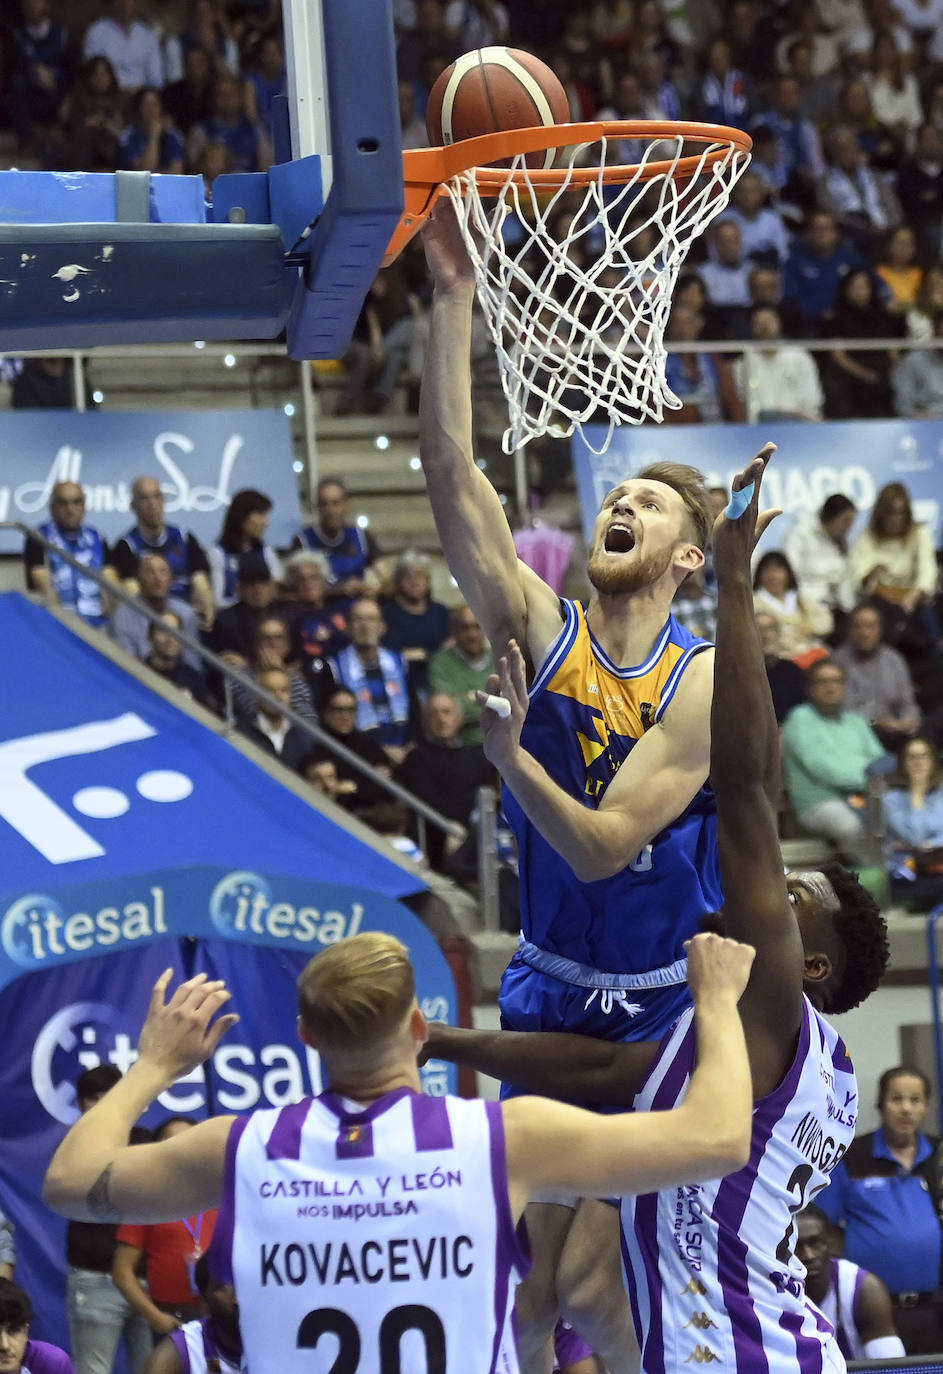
(508, 599)
(708, 1135)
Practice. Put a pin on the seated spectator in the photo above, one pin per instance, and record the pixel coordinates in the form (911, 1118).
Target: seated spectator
(779, 382)
(858, 381)
(234, 628)
(444, 771)
(207, 30)
(660, 99)
(921, 320)
(899, 270)
(339, 720)
(855, 1302)
(319, 768)
(878, 682)
(266, 80)
(40, 74)
(19, 1354)
(854, 193)
(817, 86)
(748, 50)
(416, 626)
(168, 1250)
(381, 343)
(827, 752)
(476, 26)
(150, 143)
(462, 669)
(769, 164)
(7, 1246)
(724, 89)
(884, 1192)
(213, 162)
(183, 552)
(918, 380)
(216, 1337)
(800, 148)
(131, 628)
(875, 141)
(816, 267)
(412, 126)
(725, 276)
(91, 119)
(920, 188)
(763, 235)
(693, 377)
(913, 825)
(695, 604)
(786, 679)
(271, 649)
(894, 90)
(922, 19)
(241, 544)
(131, 46)
(165, 657)
(883, 15)
(318, 630)
(766, 288)
(189, 101)
(264, 724)
(229, 125)
(58, 580)
(893, 561)
(427, 35)
(377, 677)
(352, 552)
(802, 625)
(817, 549)
(44, 384)
(809, 30)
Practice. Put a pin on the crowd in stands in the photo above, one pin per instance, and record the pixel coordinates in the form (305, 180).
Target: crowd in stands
(834, 233)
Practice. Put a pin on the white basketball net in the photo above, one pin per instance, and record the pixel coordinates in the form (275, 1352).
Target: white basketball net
(578, 319)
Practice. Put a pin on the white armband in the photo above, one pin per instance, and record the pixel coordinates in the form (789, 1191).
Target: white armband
(885, 1348)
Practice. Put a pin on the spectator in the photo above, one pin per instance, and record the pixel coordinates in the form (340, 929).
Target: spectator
(695, 603)
(381, 344)
(17, 1352)
(377, 677)
(766, 288)
(921, 320)
(91, 119)
(894, 561)
(99, 1317)
(266, 81)
(132, 47)
(922, 19)
(817, 89)
(44, 384)
(763, 235)
(899, 270)
(855, 1302)
(748, 50)
(827, 752)
(319, 768)
(241, 544)
(817, 548)
(476, 23)
(213, 162)
(858, 381)
(862, 202)
(272, 649)
(822, 46)
(165, 658)
(802, 625)
(40, 73)
(877, 679)
(416, 626)
(216, 1337)
(920, 188)
(894, 90)
(816, 267)
(883, 16)
(234, 628)
(874, 141)
(778, 382)
(358, 792)
(786, 678)
(428, 35)
(918, 380)
(265, 725)
(411, 123)
(169, 1250)
(51, 575)
(913, 825)
(183, 552)
(462, 669)
(317, 629)
(131, 628)
(7, 1247)
(230, 126)
(351, 551)
(885, 1192)
(725, 276)
(724, 89)
(205, 30)
(840, 18)
(693, 377)
(189, 101)
(150, 143)
(660, 99)
(800, 147)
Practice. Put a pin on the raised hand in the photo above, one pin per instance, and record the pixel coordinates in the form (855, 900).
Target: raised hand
(718, 965)
(446, 253)
(501, 735)
(736, 535)
(181, 1034)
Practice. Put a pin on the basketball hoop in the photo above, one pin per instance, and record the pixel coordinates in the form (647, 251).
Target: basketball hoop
(577, 311)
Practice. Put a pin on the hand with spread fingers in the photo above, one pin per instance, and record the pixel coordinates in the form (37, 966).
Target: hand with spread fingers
(501, 735)
(181, 1034)
(738, 529)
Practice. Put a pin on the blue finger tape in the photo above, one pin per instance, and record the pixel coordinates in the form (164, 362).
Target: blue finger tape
(739, 501)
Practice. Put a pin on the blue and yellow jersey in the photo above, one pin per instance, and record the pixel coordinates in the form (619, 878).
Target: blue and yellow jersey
(585, 716)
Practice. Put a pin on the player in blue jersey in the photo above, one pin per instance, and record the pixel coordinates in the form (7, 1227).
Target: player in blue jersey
(606, 788)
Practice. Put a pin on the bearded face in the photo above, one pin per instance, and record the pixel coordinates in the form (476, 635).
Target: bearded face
(621, 573)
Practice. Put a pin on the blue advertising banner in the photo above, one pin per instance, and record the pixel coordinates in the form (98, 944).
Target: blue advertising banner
(813, 460)
(201, 458)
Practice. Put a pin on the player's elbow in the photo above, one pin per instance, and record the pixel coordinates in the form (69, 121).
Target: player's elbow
(596, 863)
(729, 1146)
(56, 1193)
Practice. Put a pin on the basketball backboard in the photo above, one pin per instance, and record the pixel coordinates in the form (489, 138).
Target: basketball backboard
(90, 258)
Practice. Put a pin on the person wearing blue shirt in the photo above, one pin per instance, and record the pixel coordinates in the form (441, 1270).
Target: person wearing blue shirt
(150, 143)
(885, 1192)
(913, 824)
(230, 125)
(816, 266)
(47, 573)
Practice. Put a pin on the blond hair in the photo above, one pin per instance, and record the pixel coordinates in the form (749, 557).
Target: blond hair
(356, 993)
(689, 483)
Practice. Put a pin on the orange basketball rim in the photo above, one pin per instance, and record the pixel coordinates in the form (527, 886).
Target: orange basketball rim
(426, 170)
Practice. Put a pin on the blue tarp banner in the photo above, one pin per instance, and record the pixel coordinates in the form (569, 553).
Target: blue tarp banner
(856, 458)
(201, 458)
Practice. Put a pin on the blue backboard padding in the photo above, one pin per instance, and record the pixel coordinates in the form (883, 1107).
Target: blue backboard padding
(247, 192)
(296, 198)
(90, 198)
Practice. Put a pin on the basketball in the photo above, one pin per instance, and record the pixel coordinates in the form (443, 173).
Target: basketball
(493, 89)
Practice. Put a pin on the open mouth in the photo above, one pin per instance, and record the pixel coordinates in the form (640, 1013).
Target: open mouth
(619, 539)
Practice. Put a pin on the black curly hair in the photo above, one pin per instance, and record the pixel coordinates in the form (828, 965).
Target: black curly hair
(862, 931)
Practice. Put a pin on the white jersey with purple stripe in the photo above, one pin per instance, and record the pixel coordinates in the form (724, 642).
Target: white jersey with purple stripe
(838, 1306)
(199, 1352)
(711, 1267)
(378, 1240)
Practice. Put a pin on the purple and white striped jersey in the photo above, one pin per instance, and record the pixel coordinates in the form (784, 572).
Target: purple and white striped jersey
(711, 1267)
(838, 1306)
(378, 1240)
(199, 1352)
